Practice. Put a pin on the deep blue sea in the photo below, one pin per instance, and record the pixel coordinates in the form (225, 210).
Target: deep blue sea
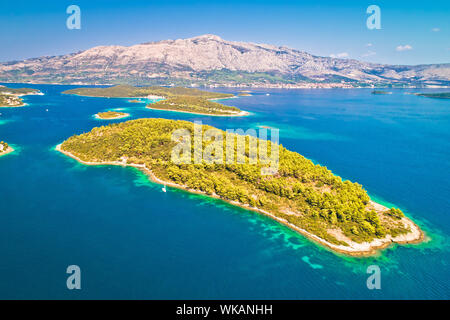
(133, 241)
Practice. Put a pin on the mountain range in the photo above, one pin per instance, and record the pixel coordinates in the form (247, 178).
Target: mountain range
(208, 60)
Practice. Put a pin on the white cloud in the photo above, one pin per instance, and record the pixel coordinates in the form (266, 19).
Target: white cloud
(435, 29)
(404, 48)
(369, 53)
(339, 55)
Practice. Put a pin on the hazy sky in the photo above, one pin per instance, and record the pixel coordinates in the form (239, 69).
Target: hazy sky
(412, 32)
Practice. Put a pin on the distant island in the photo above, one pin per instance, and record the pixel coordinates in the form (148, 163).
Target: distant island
(177, 99)
(5, 148)
(126, 91)
(306, 197)
(111, 115)
(381, 92)
(10, 97)
(443, 95)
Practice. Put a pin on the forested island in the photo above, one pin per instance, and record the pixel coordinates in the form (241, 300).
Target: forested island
(172, 98)
(196, 105)
(442, 95)
(306, 197)
(10, 97)
(111, 115)
(126, 91)
(5, 148)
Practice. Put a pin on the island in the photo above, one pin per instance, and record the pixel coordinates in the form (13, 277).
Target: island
(111, 115)
(5, 148)
(381, 92)
(10, 97)
(178, 99)
(196, 105)
(306, 197)
(442, 95)
(126, 91)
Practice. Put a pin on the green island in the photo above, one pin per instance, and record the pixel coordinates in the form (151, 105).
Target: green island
(5, 148)
(177, 99)
(111, 115)
(442, 95)
(126, 91)
(381, 92)
(244, 94)
(306, 197)
(10, 97)
(196, 105)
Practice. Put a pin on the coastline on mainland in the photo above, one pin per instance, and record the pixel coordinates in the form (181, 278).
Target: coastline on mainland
(354, 249)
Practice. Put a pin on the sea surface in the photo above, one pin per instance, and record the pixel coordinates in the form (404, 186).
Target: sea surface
(133, 241)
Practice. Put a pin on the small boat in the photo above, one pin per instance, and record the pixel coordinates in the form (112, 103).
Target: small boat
(267, 94)
(164, 188)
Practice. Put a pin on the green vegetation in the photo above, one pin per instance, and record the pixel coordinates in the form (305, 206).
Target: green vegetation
(125, 91)
(304, 194)
(3, 147)
(442, 95)
(110, 115)
(195, 105)
(176, 98)
(395, 213)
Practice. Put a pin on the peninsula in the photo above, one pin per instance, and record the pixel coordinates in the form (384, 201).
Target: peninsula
(111, 115)
(177, 99)
(306, 197)
(10, 97)
(5, 148)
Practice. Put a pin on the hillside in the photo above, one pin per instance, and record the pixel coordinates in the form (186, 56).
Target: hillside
(210, 60)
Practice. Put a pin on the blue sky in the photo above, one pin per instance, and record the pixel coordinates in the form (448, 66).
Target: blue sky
(413, 32)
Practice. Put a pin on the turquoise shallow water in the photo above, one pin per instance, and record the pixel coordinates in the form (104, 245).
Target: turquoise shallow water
(133, 241)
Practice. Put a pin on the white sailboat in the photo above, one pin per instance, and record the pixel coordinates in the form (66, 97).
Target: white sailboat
(164, 188)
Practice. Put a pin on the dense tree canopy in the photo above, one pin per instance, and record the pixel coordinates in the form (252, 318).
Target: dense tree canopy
(124, 91)
(194, 104)
(305, 194)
